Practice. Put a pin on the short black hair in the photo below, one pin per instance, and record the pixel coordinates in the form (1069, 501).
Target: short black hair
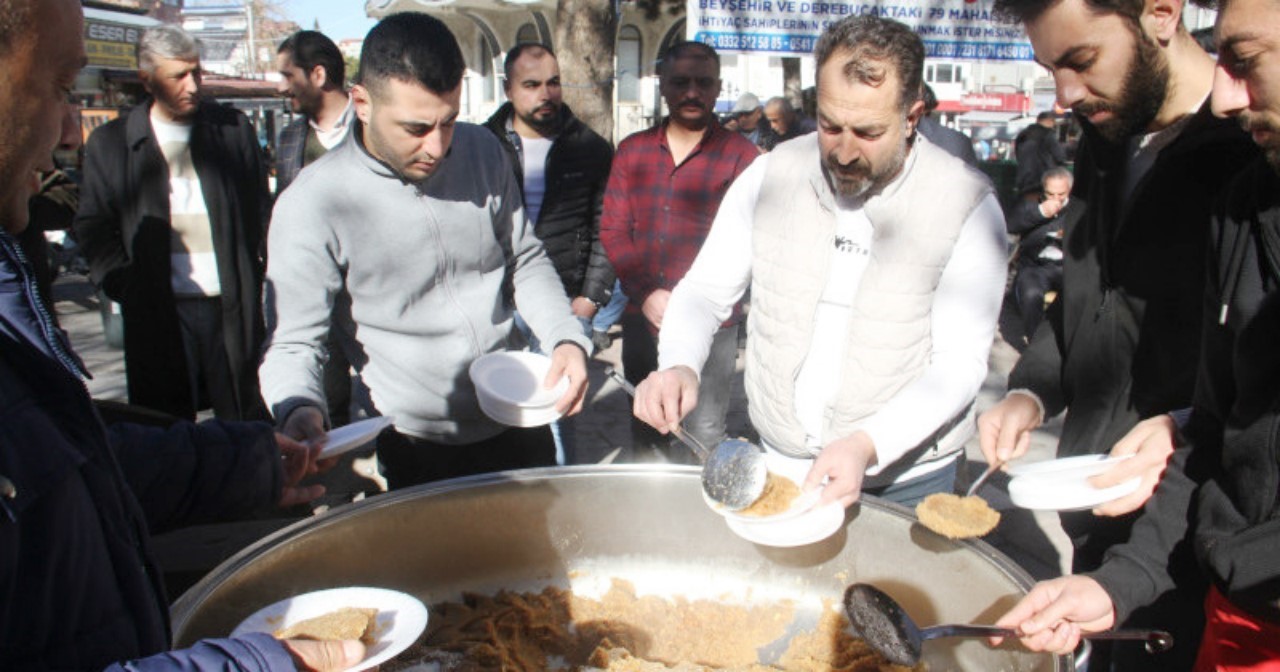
(687, 49)
(929, 97)
(15, 24)
(1022, 11)
(411, 47)
(519, 50)
(870, 43)
(308, 48)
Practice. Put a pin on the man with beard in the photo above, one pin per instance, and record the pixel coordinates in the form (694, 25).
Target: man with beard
(77, 500)
(1119, 344)
(664, 189)
(874, 293)
(418, 220)
(173, 210)
(1219, 491)
(312, 79)
(561, 167)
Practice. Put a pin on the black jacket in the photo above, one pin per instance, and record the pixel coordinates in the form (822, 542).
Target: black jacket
(1037, 232)
(1036, 150)
(78, 586)
(291, 150)
(1121, 341)
(569, 221)
(1229, 488)
(123, 229)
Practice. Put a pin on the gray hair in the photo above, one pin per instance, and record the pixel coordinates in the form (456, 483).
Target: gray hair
(166, 41)
(1057, 173)
(871, 46)
(780, 103)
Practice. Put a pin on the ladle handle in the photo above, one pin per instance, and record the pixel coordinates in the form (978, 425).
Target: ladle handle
(621, 381)
(1157, 640)
(684, 437)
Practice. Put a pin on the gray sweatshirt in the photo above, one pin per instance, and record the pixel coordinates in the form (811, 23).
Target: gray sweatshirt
(431, 269)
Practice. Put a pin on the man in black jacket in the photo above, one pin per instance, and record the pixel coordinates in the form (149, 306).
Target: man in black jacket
(1036, 150)
(173, 210)
(1220, 491)
(79, 589)
(562, 167)
(1040, 228)
(1120, 343)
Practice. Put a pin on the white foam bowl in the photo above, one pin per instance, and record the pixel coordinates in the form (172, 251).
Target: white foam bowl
(509, 388)
(1063, 485)
(1068, 467)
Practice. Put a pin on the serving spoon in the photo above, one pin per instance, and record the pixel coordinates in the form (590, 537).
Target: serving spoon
(733, 474)
(882, 623)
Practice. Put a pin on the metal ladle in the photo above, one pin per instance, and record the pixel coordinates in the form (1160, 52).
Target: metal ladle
(733, 475)
(881, 622)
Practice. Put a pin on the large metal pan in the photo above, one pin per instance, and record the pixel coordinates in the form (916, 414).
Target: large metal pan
(578, 526)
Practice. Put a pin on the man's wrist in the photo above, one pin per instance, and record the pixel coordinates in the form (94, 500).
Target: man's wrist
(1035, 398)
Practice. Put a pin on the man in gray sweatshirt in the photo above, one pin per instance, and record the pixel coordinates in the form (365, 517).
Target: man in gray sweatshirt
(419, 221)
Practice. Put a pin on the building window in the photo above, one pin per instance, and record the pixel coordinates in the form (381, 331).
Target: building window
(629, 65)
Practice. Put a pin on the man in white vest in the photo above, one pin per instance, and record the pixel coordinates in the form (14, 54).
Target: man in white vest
(876, 263)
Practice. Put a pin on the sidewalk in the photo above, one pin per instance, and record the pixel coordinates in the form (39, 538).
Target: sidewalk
(1033, 539)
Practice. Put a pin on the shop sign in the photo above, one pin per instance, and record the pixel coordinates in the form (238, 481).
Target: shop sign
(111, 45)
(950, 29)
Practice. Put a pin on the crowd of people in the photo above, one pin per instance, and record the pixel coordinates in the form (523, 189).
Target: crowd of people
(403, 244)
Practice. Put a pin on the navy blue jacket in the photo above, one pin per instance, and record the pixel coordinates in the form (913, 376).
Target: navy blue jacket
(78, 587)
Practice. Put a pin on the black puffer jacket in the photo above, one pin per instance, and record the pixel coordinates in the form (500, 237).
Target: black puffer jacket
(569, 221)
(1229, 489)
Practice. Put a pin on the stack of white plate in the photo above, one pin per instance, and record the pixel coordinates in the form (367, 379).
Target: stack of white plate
(509, 388)
(1063, 484)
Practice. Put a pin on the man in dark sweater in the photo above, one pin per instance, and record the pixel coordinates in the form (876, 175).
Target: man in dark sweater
(1120, 343)
(1220, 490)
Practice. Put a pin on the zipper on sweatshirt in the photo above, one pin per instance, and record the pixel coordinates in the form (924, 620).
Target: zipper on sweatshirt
(445, 274)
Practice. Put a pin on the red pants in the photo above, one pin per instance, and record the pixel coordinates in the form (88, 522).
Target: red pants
(1235, 641)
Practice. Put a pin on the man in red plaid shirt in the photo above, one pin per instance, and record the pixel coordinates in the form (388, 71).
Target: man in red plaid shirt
(663, 193)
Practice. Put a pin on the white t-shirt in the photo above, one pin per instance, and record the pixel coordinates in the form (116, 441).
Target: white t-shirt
(966, 305)
(329, 138)
(193, 265)
(534, 158)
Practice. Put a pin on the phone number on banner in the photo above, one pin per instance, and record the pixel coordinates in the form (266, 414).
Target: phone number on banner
(802, 44)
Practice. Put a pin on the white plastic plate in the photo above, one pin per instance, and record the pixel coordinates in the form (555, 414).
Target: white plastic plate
(401, 618)
(352, 436)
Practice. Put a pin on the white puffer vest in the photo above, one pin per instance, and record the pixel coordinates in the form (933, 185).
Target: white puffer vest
(916, 221)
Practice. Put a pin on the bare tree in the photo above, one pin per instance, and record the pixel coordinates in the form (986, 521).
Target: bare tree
(585, 39)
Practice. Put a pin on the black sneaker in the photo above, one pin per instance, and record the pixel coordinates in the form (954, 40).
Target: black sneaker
(600, 340)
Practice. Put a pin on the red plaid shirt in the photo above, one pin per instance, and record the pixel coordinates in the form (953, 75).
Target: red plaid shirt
(657, 214)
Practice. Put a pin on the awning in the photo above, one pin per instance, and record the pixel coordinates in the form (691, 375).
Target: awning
(119, 17)
(988, 117)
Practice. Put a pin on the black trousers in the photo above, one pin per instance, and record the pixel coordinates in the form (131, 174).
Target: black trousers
(408, 460)
(208, 367)
(1033, 281)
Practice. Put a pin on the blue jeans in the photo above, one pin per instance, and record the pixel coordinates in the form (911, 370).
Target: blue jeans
(608, 315)
(909, 493)
(562, 430)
